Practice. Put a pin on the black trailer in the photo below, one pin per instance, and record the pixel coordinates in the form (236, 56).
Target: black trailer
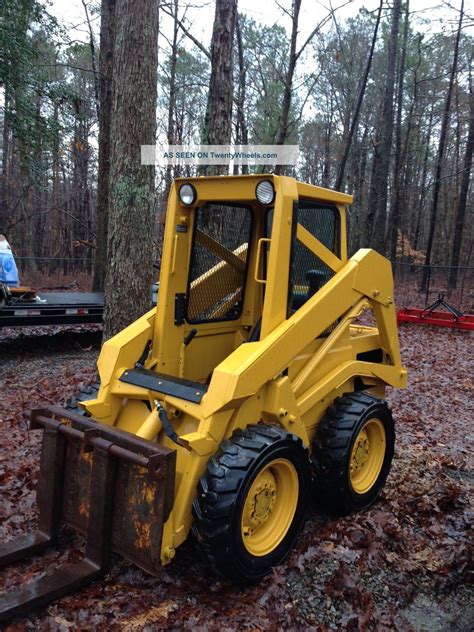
(54, 308)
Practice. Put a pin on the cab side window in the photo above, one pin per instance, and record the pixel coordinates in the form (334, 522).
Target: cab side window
(217, 272)
(308, 273)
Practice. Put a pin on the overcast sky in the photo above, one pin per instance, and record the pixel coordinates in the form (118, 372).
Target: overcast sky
(430, 15)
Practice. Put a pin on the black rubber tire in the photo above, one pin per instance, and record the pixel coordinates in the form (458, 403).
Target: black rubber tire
(85, 394)
(222, 493)
(332, 448)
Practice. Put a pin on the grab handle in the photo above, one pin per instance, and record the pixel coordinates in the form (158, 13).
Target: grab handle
(257, 262)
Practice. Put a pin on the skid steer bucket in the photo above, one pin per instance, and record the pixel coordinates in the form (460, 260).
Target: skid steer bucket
(111, 486)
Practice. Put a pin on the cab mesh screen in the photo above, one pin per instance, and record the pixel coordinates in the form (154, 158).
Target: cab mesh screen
(308, 272)
(218, 263)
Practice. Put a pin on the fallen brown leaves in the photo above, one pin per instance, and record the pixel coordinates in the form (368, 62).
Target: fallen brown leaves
(403, 564)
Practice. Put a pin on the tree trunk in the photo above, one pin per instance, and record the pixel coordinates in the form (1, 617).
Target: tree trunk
(218, 121)
(423, 184)
(326, 177)
(464, 189)
(410, 166)
(439, 160)
(379, 190)
(105, 109)
(359, 169)
(131, 212)
(394, 217)
(5, 160)
(360, 98)
(171, 130)
(283, 120)
(282, 131)
(242, 135)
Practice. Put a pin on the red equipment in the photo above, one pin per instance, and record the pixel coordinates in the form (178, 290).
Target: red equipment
(453, 318)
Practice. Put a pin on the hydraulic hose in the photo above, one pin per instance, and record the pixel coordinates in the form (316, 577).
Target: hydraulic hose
(167, 427)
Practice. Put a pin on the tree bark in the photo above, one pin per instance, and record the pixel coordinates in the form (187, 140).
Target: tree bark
(394, 216)
(218, 120)
(463, 193)
(441, 151)
(105, 109)
(282, 131)
(131, 212)
(242, 136)
(171, 129)
(283, 119)
(410, 165)
(5, 162)
(326, 177)
(379, 188)
(423, 184)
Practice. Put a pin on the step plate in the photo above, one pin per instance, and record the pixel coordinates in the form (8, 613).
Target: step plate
(166, 384)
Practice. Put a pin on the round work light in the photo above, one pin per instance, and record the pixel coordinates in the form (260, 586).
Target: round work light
(187, 194)
(265, 192)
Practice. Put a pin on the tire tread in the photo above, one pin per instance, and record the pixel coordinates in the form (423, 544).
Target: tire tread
(218, 489)
(331, 447)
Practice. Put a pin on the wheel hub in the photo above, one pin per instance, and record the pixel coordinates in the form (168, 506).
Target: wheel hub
(269, 507)
(264, 501)
(262, 498)
(361, 451)
(367, 456)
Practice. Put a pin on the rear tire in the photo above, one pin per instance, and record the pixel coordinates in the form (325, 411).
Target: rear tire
(252, 501)
(352, 452)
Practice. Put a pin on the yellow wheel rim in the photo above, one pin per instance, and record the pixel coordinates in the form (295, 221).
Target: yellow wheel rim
(367, 456)
(270, 507)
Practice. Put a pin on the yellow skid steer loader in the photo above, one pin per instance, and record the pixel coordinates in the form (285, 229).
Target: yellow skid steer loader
(217, 409)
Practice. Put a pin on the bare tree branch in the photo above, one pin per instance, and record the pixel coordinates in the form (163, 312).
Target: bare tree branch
(195, 41)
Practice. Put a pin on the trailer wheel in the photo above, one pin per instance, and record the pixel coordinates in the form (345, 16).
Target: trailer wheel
(252, 501)
(352, 452)
(85, 394)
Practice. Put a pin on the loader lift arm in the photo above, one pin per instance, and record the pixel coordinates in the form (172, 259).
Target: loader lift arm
(367, 275)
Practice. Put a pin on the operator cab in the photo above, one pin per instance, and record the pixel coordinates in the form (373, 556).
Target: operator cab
(247, 252)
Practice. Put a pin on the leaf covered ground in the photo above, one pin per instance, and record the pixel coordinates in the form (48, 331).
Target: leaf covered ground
(404, 564)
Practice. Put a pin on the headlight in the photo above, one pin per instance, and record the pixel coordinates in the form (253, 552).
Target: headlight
(265, 192)
(187, 194)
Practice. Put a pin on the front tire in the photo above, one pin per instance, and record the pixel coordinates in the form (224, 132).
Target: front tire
(85, 394)
(352, 452)
(252, 501)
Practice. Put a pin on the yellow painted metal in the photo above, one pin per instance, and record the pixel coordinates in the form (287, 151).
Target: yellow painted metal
(253, 365)
(261, 241)
(269, 507)
(150, 427)
(367, 456)
(276, 297)
(342, 233)
(321, 194)
(382, 374)
(280, 407)
(310, 367)
(289, 376)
